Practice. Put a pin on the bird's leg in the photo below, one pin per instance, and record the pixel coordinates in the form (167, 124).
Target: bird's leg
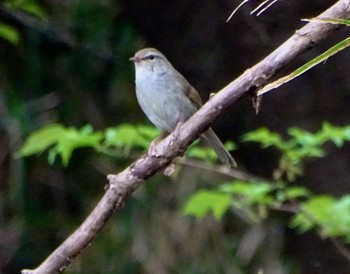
(169, 169)
(152, 151)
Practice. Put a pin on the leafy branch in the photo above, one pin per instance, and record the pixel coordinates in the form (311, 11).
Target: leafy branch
(325, 214)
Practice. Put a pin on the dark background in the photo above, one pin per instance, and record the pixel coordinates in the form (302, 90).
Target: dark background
(73, 68)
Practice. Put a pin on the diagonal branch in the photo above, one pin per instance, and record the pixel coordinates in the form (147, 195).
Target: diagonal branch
(124, 183)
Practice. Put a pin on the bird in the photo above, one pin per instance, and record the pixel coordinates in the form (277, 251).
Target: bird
(168, 99)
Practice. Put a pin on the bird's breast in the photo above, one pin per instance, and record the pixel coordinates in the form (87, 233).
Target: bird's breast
(163, 100)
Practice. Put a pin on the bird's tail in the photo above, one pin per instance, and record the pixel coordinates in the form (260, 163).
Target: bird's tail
(224, 156)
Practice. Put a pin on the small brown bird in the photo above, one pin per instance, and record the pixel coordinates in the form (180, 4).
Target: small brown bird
(168, 99)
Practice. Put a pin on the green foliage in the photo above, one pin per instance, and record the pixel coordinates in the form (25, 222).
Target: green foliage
(324, 213)
(126, 137)
(265, 137)
(252, 198)
(118, 141)
(301, 145)
(60, 141)
(330, 216)
(204, 202)
(10, 34)
(251, 193)
(206, 153)
(29, 6)
(291, 193)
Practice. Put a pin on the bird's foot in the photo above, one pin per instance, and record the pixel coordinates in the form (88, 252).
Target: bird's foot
(169, 169)
(152, 151)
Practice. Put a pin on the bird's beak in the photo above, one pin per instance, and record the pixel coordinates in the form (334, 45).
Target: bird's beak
(135, 59)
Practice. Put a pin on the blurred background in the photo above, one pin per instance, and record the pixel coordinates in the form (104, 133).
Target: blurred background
(70, 66)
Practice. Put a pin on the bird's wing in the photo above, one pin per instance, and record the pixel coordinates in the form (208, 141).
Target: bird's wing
(192, 94)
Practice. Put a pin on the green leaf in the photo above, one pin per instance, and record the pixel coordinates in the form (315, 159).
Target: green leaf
(60, 141)
(148, 132)
(265, 137)
(313, 212)
(304, 68)
(333, 133)
(296, 192)
(203, 153)
(127, 136)
(204, 201)
(335, 21)
(123, 135)
(252, 193)
(41, 140)
(10, 34)
(304, 138)
(229, 145)
(29, 6)
(297, 154)
(206, 153)
(329, 215)
(72, 139)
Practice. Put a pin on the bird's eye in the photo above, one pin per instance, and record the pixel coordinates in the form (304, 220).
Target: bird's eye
(151, 57)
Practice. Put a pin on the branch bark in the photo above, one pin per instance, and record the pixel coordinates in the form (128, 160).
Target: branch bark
(125, 183)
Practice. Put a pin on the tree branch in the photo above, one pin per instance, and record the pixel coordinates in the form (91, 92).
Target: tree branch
(124, 183)
(220, 169)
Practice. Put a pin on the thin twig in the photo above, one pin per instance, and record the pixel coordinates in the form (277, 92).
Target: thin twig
(341, 248)
(220, 169)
